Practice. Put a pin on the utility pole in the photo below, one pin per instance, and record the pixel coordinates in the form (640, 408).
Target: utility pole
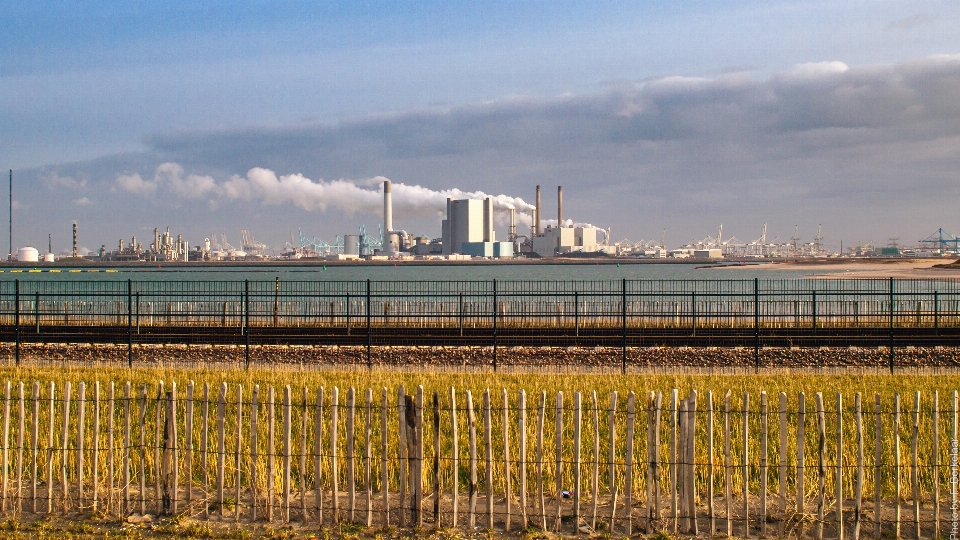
(10, 255)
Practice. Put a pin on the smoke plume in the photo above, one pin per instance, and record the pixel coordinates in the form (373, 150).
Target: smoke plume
(348, 196)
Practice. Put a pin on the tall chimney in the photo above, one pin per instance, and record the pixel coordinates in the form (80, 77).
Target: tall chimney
(559, 206)
(74, 239)
(536, 218)
(513, 224)
(387, 206)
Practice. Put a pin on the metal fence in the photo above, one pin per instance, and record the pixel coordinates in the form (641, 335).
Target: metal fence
(783, 312)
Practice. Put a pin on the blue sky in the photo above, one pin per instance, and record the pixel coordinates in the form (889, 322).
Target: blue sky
(483, 96)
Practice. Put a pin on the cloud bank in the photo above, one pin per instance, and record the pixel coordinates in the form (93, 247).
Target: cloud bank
(869, 151)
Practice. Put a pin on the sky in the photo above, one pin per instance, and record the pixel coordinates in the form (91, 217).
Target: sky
(657, 118)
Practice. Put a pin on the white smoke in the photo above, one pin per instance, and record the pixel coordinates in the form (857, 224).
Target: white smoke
(349, 196)
(566, 223)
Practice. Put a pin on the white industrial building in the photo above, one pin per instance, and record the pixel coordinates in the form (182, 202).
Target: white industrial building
(468, 230)
(561, 240)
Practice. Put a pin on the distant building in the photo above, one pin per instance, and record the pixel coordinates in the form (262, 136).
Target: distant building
(556, 241)
(712, 253)
(469, 221)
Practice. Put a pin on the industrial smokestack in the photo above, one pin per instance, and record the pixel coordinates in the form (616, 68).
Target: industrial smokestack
(387, 206)
(513, 224)
(536, 218)
(74, 239)
(559, 206)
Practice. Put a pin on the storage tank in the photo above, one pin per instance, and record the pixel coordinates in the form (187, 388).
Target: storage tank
(28, 254)
(351, 244)
(49, 257)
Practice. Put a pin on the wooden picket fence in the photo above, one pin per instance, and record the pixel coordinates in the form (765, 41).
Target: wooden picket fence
(663, 462)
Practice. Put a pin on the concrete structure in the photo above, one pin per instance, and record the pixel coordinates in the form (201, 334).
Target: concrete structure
(468, 221)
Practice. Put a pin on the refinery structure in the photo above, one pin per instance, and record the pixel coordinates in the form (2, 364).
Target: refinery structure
(467, 232)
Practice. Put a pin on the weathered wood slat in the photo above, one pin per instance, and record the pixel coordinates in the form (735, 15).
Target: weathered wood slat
(541, 502)
(727, 464)
(746, 464)
(821, 464)
(507, 487)
(488, 456)
(351, 457)
(254, 451)
(454, 461)
(878, 467)
(763, 464)
(595, 481)
(522, 456)
(858, 484)
(711, 466)
(334, 445)
(367, 454)
(472, 428)
(628, 458)
(839, 466)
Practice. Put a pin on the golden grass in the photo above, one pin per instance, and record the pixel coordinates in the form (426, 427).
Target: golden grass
(533, 383)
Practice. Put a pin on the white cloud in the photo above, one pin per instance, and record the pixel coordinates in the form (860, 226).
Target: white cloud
(812, 70)
(134, 183)
(82, 201)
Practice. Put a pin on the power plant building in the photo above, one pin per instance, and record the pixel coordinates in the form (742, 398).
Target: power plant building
(468, 230)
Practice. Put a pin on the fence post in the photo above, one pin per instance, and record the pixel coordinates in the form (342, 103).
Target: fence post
(16, 353)
(494, 326)
(129, 323)
(369, 328)
(756, 327)
(576, 313)
(813, 310)
(936, 313)
(892, 300)
(623, 325)
(693, 312)
(246, 322)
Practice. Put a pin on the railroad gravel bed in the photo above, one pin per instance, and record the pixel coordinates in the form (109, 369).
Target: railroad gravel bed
(572, 357)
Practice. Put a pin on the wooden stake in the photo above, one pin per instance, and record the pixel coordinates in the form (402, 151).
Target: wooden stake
(746, 465)
(935, 464)
(763, 464)
(81, 424)
(878, 466)
(237, 455)
(896, 457)
(454, 461)
(472, 427)
(674, 459)
(595, 484)
(302, 470)
(271, 453)
(188, 444)
(158, 411)
(611, 459)
(507, 488)
(384, 470)
(488, 456)
(287, 421)
(64, 440)
(858, 486)
(558, 461)
(727, 484)
(176, 448)
(254, 443)
(577, 405)
(351, 454)
(334, 467)
(801, 458)
(782, 457)
(221, 445)
(839, 475)
(126, 448)
(402, 443)
(367, 454)
(710, 466)
(6, 445)
(522, 458)
(204, 447)
(692, 462)
(821, 464)
(20, 425)
(419, 454)
(915, 465)
(540, 450)
(318, 452)
(50, 450)
(628, 451)
(34, 445)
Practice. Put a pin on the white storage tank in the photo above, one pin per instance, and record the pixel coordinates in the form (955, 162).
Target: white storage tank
(49, 258)
(28, 254)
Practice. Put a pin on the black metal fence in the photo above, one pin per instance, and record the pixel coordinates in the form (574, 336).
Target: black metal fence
(624, 313)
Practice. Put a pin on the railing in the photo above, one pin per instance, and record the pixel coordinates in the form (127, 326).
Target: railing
(519, 304)
(618, 313)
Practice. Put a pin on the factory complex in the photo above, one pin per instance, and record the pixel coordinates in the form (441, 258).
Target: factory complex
(467, 233)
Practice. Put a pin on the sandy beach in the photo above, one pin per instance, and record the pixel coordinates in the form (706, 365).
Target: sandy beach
(861, 268)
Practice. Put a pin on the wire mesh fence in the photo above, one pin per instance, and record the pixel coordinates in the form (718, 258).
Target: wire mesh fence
(680, 461)
(618, 313)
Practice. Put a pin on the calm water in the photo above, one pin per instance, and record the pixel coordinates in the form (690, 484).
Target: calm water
(405, 272)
